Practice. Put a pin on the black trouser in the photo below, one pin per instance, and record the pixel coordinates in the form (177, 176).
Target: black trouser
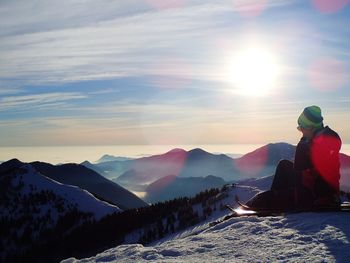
(286, 191)
(285, 177)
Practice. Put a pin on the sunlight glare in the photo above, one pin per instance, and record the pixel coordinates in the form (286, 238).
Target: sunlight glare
(241, 211)
(253, 71)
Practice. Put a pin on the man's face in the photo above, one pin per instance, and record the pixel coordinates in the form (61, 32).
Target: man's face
(307, 132)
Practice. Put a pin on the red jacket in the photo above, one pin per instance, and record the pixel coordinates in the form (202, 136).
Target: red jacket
(320, 155)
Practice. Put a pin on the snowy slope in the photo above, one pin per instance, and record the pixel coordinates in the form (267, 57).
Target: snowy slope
(34, 209)
(243, 192)
(84, 200)
(33, 182)
(303, 237)
(80, 176)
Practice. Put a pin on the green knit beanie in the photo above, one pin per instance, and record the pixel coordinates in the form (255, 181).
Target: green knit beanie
(311, 118)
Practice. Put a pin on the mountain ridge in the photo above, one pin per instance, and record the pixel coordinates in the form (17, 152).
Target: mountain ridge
(171, 186)
(79, 175)
(197, 162)
(35, 208)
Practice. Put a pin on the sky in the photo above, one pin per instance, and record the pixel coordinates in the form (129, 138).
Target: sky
(84, 72)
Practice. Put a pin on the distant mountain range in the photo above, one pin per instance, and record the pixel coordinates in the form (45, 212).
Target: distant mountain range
(111, 158)
(170, 187)
(195, 163)
(137, 174)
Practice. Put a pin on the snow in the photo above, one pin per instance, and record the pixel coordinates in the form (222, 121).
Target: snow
(244, 193)
(305, 237)
(301, 237)
(84, 200)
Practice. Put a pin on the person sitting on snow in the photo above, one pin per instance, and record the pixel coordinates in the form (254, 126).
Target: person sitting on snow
(312, 181)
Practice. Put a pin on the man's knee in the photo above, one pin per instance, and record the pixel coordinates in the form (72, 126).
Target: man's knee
(284, 176)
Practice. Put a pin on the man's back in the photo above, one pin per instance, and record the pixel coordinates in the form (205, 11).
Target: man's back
(324, 151)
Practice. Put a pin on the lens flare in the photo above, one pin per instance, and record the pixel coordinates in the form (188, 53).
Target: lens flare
(325, 157)
(149, 169)
(250, 8)
(253, 163)
(327, 74)
(330, 6)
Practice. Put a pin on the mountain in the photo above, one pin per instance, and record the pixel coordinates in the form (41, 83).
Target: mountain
(263, 161)
(115, 168)
(110, 169)
(170, 187)
(138, 173)
(10, 165)
(144, 225)
(28, 181)
(111, 158)
(194, 163)
(35, 208)
(199, 163)
(263, 183)
(95, 168)
(148, 169)
(79, 175)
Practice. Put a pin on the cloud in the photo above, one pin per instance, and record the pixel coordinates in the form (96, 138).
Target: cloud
(104, 91)
(88, 40)
(183, 49)
(54, 15)
(129, 122)
(38, 100)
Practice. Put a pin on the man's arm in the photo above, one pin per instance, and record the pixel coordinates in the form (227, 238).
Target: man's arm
(302, 159)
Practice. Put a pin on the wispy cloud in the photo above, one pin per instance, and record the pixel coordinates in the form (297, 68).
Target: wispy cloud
(101, 40)
(54, 15)
(153, 123)
(41, 100)
(184, 49)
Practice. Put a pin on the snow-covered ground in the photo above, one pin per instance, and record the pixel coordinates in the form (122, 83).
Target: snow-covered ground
(303, 237)
(243, 192)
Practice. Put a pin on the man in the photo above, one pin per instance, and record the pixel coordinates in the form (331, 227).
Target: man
(312, 181)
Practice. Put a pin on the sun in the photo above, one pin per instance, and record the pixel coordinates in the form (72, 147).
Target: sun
(253, 71)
